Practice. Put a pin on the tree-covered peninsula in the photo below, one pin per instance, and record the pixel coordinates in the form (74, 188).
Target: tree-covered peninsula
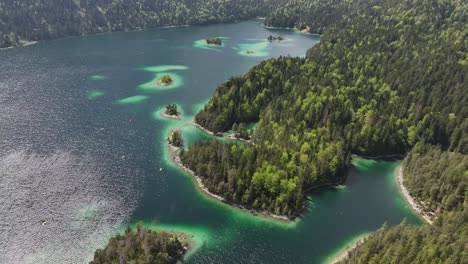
(32, 20)
(143, 246)
(377, 84)
(438, 180)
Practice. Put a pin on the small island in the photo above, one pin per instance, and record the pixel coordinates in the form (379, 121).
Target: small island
(271, 38)
(165, 80)
(250, 52)
(175, 139)
(214, 41)
(171, 109)
(143, 245)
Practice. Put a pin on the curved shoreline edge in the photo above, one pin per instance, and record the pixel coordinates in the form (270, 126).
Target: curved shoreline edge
(350, 246)
(398, 176)
(408, 198)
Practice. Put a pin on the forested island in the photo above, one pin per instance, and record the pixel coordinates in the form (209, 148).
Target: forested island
(165, 80)
(364, 90)
(175, 139)
(171, 110)
(143, 246)
(214, 41)
(22, 21)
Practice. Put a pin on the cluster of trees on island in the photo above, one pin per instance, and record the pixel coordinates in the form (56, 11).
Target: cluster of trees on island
(377, 84)
(271, 38)
(171, 109)
(165, 80)
(175, 138)
(141, 246)
(31, 20)
(214, 41)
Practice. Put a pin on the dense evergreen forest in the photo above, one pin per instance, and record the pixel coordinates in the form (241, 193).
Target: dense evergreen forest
(437, 178)
(141, 246)
(377, 84)
(30, 20)
(313, 16)
(440, 179)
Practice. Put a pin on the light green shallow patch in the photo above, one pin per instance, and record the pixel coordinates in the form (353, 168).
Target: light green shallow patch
(340, 187)
(132, 99)
(286, 45)
(165, 68)
(94, 94)
(259, 49)
(98, 77)
(198, 107)
(152, 86)
(363, 164)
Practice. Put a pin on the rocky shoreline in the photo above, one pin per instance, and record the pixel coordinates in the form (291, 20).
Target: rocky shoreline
(409, 199)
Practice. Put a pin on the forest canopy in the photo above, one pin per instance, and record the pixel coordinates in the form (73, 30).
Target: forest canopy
(31, 20)
(376, 85)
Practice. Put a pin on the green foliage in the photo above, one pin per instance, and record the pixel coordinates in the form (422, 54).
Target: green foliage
(241, 131)
(214, 41)
(171, 109)
(314, 16)
(175, 138)
(48, 19)
(437, 178)
(141, 246)
(440, 179)
(377, 84)
(166, 79)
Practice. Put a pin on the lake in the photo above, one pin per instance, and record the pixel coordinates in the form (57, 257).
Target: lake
(82, 151)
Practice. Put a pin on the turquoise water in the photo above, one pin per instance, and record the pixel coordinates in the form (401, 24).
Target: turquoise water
(89, 107)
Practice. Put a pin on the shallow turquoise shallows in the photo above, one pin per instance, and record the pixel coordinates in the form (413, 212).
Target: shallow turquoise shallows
(88, 109)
